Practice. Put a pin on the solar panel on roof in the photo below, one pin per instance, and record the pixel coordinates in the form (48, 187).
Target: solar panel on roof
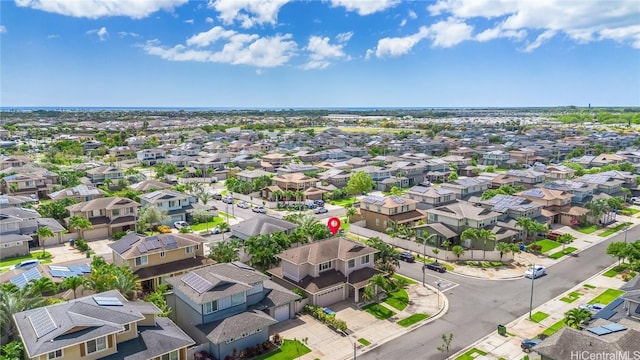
(107, 301)
(196, 282)
(42, 322)
(142, 248)
(599, 330)
(23, 279)
(614, 327)
(397, 199)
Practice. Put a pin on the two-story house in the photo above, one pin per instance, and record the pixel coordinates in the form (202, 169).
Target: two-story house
(581, 191)
(155, 258)
(250, 175)
(378, 212)
(328, 271)
(102, 326)
(294, 182)
(554, 201)
(228, 306)
(527, 178)
(558, 172)
(464, 187)
(462, 215)
(79, 193)
(176, 204)
(150, 157)
(99, 174)
(431, 196)
(13, 161)
(29, 181)
(15, 201)
(107, 216)
(512, 207)
(336, 177)
(18, 228)
(122, 152)
(497, 158)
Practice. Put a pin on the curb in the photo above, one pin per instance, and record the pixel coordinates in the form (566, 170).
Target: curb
(484, 278)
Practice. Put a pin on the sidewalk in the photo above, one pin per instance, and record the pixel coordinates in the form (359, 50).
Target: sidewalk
(508, 347)
(328, 344)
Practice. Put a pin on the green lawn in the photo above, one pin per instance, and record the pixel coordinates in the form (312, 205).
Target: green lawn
(421, 259)
(539, 316)
(34, 255)
(547, 245)
(290, 349)
(471, 354)
(222, 214)
(415, 318)
(554, 328)
(628, 211)
(616, 270)
(588, 229)
(606, 297)
(409, 281)
(211, 224)
(571, 297)
(589, 286)
(345, 203)
(364, 341)
(398, 299)
(614, 230)
(378, 311)
(562, 253)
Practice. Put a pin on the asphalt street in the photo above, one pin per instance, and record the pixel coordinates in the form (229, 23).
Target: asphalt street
(477, 306)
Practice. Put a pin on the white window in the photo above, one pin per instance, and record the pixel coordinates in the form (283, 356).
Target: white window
(210, 307)
(237, 299)
(352, 263)
(188, 249)
(174, 355)
(325, 266)
(96, 345)
(365, 259)
(55, 354)
(142, 260)
(162, 254)
(377, 222)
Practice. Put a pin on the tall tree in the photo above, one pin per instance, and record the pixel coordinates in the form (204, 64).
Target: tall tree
(360, 182)
(576, 317)
(225, 251)
(458, 251)
(79, 224)
(565, 239)
(151, 215)
(43, 233)
(72, 283)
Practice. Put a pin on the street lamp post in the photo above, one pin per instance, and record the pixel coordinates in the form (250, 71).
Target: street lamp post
(626, 229)
(424, 258)
(352, 343)
(533, 277)
(438, 292)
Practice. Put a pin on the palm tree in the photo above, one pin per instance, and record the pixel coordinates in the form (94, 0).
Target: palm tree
(424, 241)
(126, 282)
(72, 283)
(369, 294)
(204, 197)
(278, 194)
(351, 211)
(393, 230)
(458, 251)
(525, 224)
(44, 232)
(503, 247)
(79, 224)
(225, 252)
(387, 258)
(288, 194)
(42, 286)
(12, 301)
(576, 317)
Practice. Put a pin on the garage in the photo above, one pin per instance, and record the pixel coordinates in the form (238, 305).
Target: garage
(281, 312)
(96, 234)
(329, 297)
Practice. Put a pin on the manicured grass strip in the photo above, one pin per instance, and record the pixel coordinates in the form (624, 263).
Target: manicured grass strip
(554, 328)
(610, 273)
(290, 349)
(629, 211)
(415, 318)
(607, 296)
(36, 254)
(588, 229)
(589, 286)
(573, 296)
(364, 341)
(560, 254)
(482, 264)
(398, 299)
(547, 245)
(345, 203)
(539, 316)
(616, 270)
(422, 260)
(211, 224)
(471, 354)
(614, 229)
(409, 281)
(379, 311)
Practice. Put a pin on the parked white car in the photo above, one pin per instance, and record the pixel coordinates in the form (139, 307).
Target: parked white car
(534, 272)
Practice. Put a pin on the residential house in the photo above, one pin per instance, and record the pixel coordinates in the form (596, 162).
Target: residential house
(462, 215)
(103, 326)
(527, 178)
(156, 258)
(99, 174)
(513, 207)
(581, 191)
(523, 156)
(149, 184)
(228, 306)
(91, 145)
(378, 212)
(150, 157)
(294, 182)
(328, 271)
(276, 160)
(15, 201)
(12, 161)
(431, 196)
(261, 225)
(605, 183)
(180, 161)
(29, 181)
(186, 149)
(558, 172)
(497, 158)
(176, 204)
(554, 201)
(463, 151)
(18, 228)
(122, 152)
(338, 178)
(107, 216)
(78, 193)
(208, 164)
(464, 187)
(296, 168)
(250, 175)
(393, 181)
(377, 173)
(413, 171)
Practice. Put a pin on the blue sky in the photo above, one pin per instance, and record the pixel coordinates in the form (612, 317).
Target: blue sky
(331, 53)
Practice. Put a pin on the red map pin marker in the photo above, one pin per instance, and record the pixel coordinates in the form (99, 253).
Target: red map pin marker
(333, 225)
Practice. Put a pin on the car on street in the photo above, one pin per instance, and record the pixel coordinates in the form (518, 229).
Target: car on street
(259, 209)
(635, 200)
(216, 196)
(592, 307)
(527, 344)
(435, 266)
(243, 205)
(228, 200)
(218, 230)
(319, 203)
(180, 224)
(407, 256)
(320, 210)
(534, 272)
(27, 264)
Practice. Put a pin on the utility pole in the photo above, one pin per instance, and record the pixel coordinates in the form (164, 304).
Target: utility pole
(424, 258)
(533, 277)
(626, 229)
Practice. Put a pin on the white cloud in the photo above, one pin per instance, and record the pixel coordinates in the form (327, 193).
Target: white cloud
(580, 21)
(412, 14)
(128, 34)
(449, 33)
(3, 29)
(344, 37)
(238, 48)
(397, 46)
(248, 12)
(365, 7)
(53, 36)
(322, 53)
(209, 20)
(102, 33)
(94, 9)
(190, 21)
(403, 22)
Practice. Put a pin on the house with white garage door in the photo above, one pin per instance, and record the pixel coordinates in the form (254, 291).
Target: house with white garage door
(107, 216)
(328, 271)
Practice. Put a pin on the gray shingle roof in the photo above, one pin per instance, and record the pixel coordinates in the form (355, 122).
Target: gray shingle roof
(236, 325)
(258, 225)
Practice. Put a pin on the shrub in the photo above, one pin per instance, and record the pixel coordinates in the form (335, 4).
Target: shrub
(119, 235)
(164, 229)
(81, 245)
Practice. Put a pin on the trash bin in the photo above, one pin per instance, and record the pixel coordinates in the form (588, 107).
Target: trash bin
(502, 330)
(523, 247)
(72, 242)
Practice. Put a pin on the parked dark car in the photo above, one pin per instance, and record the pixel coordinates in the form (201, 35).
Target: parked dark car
(435, 266)
(407, 256)
(527, 344)
(216, 196)
(319, 203)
